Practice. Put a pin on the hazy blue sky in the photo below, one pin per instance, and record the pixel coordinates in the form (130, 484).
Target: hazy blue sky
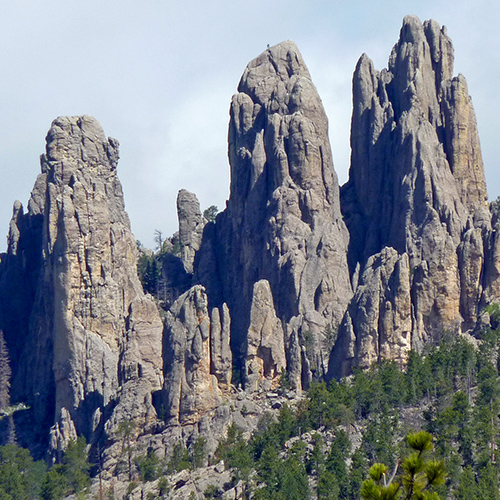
(159, 76)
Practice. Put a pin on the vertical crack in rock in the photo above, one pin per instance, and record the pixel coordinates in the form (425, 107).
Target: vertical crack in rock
(283, 222)
(416, 184)
(89, 336)
(197, 357)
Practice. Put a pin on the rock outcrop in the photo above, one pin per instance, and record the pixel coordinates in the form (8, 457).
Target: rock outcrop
(197, 357)
(416, 189)
(265, 357)
(191, 224)
(88, 331)
(282, 223)
(283, 280)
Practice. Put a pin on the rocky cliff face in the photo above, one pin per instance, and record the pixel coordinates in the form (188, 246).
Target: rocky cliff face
(416, 191)
(283, 222)
(197, 357)
(89, 333)
(283, 280)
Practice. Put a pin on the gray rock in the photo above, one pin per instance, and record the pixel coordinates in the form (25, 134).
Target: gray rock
(221, 357)
(191, 388)
(266, 356)
(416, 184)
(61, 434)
(378, 324)
(191, 224)
(282, 222)
(87, 327)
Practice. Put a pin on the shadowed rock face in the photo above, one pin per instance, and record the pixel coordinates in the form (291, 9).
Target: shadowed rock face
(416, 184)
(283, 222)
(89, 332)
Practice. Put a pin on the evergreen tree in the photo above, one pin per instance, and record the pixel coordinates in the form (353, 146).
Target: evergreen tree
(488, 483)
(357, 473)
(75, 465)
(419, 477)
(467, 489)
(20, 477)
(336, 462)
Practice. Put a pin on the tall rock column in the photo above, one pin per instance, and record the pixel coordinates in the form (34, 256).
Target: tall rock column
(197, 357)
(283, 222)
(191, 224)
(93, 338)
(416, 184)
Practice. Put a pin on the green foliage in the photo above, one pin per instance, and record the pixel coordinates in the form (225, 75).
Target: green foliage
(125, 433)
(328, 486)
(75, 466)
(179, 459)
(55, 485)
(70, 476)
(210, 213)
(130, 488)
(283, 479)
(336, 462)
(467, 489)
(149, 271)
(419, 477)
(213, 491)
(285, 384)
(198, 452)
(236, 454)
(359, 464)
(458, 385)
(20, 477)
(163, 486)
(149, 465)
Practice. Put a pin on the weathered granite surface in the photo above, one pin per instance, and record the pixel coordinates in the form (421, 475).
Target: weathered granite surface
(282, 223)
(416, 186)
(196, 357)
(88, 330)
(191, 224)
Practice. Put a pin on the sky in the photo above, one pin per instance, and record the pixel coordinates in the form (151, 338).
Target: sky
(159, 76)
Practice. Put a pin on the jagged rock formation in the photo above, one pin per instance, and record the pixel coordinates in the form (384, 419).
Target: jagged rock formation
(282, 280)
(88, 332)
(179, 251)
(283, 222)
(191, 224)
(221, 358)
(197, 356)
(416, 191)
(265, 357)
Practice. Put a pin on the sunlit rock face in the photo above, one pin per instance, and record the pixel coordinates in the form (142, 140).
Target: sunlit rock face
(294, 275)
(88, 331)
(198, 358)
(416, 189)
(283, 222)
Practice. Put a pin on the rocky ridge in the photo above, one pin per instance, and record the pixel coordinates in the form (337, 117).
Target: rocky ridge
(415, 203)
(296, 280)
(283, 222)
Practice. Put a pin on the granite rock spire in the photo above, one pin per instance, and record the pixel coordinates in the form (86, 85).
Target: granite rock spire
(417, 192)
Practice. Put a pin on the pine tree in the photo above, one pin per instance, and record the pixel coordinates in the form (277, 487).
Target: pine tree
(419, 476)
(5, 374)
